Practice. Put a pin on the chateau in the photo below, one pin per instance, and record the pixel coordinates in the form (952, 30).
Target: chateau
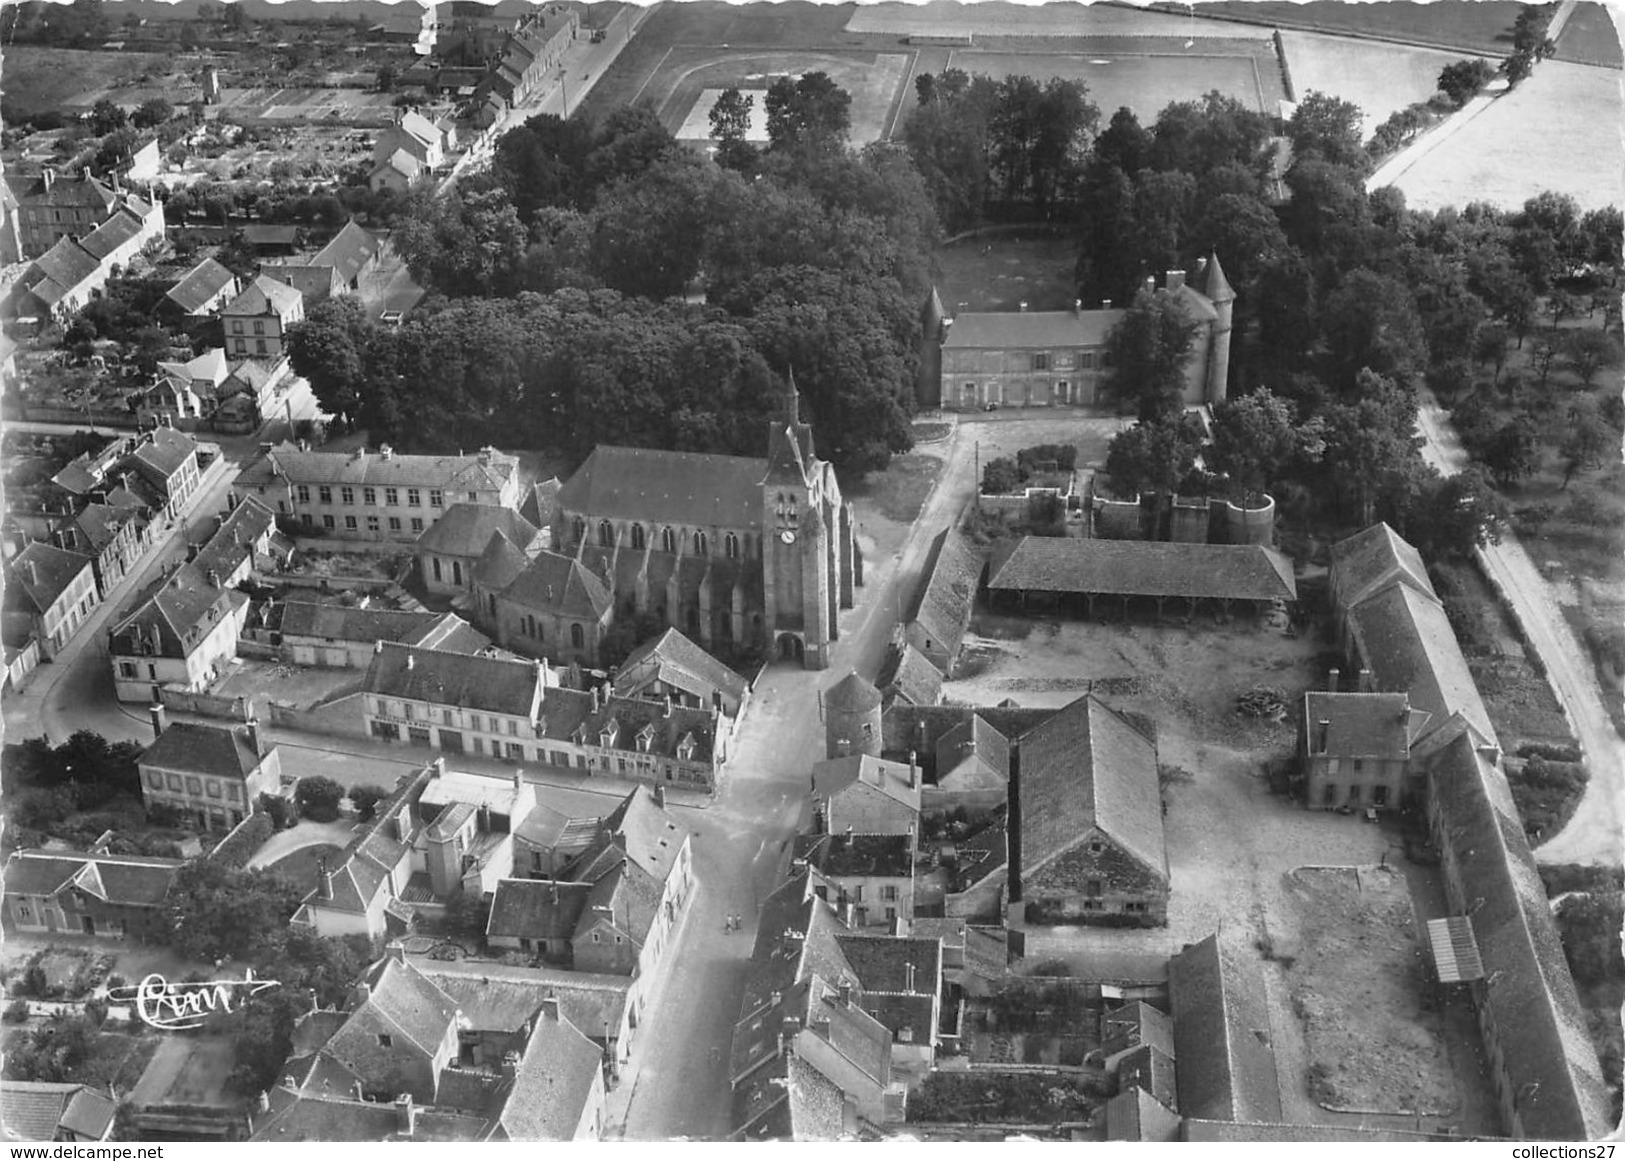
(729, 549)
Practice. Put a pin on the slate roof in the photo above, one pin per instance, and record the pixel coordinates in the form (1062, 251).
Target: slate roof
(852, 694)
(1135, 1115)
(129, 880)
(1547, 1054)
(455, 679)
(882, 962)
(943, 610)
(244, 527)
(1406, 641)
(795, 939)
(500, 563)
(401, 162)
(1360, 725)
(663, 487)
(210, 365)
(858, 855)
(350, 250)
(553, 1083)
(268, 235)
(568, 714)
(973, 755)
(1037, 329)
(324, 1117)
(646, 834)
(200, 285)
(120, 227)
(67, 263)
(1137, 1022)
(1225, 1071)
(402, 997)
(221, 751)
(909, 676)
(981, 854)
(541, 502)
(65, 190)
(1146, 568)
(682, 663)
(536, 909)
(163, 450)
(466, 530)
(860, 774)
(496, 997)
(1371, 560)
(264, 295)
(100, 524)
(41, 573)
(36, 1110)
(343, 623)
(286, 462)
(315, 283)
(180, 610)
(1086, 767)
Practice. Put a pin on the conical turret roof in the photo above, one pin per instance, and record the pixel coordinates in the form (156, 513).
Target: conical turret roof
(1217, 288)
(852, 693)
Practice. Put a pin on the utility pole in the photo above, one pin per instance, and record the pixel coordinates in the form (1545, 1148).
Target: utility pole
(976, 481)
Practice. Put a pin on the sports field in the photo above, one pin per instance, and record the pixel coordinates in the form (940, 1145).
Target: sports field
(1381, 78)
(1160, 73)
(1559, 130)
(697, 125)
(998, 19)
(678, 89)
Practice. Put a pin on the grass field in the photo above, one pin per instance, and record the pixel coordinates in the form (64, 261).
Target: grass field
(1000, 19)
(1145, 81)
(40, 79)
(300, 866)
(1590, 37)
(1471, 25)
(1380, 78)
(1561, 126)
(1002, 273)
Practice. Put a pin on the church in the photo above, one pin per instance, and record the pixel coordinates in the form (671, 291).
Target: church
(731, 550)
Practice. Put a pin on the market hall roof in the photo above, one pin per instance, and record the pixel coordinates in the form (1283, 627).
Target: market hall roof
(1141, 568)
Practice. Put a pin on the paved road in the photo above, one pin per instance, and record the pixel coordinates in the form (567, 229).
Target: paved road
(1594, 834)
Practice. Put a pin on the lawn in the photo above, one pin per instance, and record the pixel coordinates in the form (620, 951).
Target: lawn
(40, 79)
(1001, 273)
(1590, 37)
(1380, 78)
(1562, 128)
(899, 492)
(299, 867)
(1483, 26)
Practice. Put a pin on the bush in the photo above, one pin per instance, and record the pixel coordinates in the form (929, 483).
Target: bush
(1546, 794)
(1549, 753)
(365, 799)
(1470, 623)
(241, 844)
(281, 811)
(1589, 926)
(16, 1012)
(1561, 877)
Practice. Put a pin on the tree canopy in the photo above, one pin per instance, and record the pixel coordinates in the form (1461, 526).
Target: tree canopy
(1149, 349)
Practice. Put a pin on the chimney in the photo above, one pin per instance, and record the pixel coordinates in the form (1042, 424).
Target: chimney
(1323, 733)
(395, 950)
(411, 662)
(49, 177)
(86, 172)
(406, 1115)
(263, 1104)
(324, 879)
(483, 818)
(845, 992)
(33, 572)
(438, 766)
(1176, 279)
(510, 1059)
(160, 719)
(550, 1008)
(378, 645)
(519, 779)
(660, 797)
(1105, 304)
(908, 977)
(386, 451)
(256, 742)
(401, 825)
(1333, 679)
(1150, 284)
(1489, 752)
(848, 838)
(913, 770)
(595, 699)
(214, 578)
(553, 892)
(668, 706)
(1365, 681)
(1077, 308)
(1023, 307)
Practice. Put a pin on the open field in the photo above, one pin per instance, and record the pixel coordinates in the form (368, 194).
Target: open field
(1562, 124)
(1591, 37)
(1003, 273)
(41, 79)
(1357, 975)
(1483, 26)
(993, 19)
(678, 85)
(1380, 78)
(1147, 78)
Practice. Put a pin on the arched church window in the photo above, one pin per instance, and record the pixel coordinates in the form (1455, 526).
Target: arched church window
(637, 536)
(578, 636)
(606, 534)
(699, 544)
(730, 545)
(668, 540)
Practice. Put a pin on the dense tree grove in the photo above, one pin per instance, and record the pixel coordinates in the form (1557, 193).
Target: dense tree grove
(603, 285)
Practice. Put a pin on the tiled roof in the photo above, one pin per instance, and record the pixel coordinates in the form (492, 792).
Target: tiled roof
(343, 623)
(981, 854)
(536, 909)
(36, 1110)
(1371, 560)
(455, 679)
(165, 451)
(401, 162)
(860, 855)
(210, 365)
(945, 602)
(541, 502)
(555, 1079)
(120, 227)
(1146, 568)
(663, 487)
(41, 573)
(499, 564)
(1226, 1067)
(1406, 640)
(569, 714)
(100, 524)
(1085, 767)
(1547, 1055)
(315, 283)
(200, 285)
(685, 665)
(264, 295)
(1038, 329)
(973, 755)
(287, 462)
(240, 531)
(350, 250)
(67, 264)
(1359, 725)
(222, 751)
(860, 775)
(125, 879)
(495, 997)
(63, 191)
(1135, 1115)
(249, 375)
(909, 676)
(466, 529)
(852, 694)
(328, 1118)
(882, 962)
(648, 835)
(267, 235)
(180, 610)
(402, 996)
(628, 898)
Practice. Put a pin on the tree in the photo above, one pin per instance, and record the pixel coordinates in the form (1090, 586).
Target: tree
(730, 126)
(1371, 322)
(330, 348)
(1256, 438)
(1450, 516)
(1490, 347)
(1000, 477)
(106, 117)
(626, 144)
(1124, 143)
(1149, 350)
(811, 112)
(365, 799)
(1329, 127)
(318, 798)
(217, 912)
(1462, 80)
(543, 163)
(1589, 438)
(649, 235)
(262, 1034)
(1544, 358)
(1589, 351)
(1154, 455)
(468, 242)
(1513, 451)
(386, 78)
(1371, 443)
(152, 112)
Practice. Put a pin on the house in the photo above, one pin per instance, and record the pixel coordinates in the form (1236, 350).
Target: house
(530, 53)
(68, 892)
(266, 239)
(454, 702)
(544, 605)
(728, 549)
(360, 891)
(414, 134)
(400, 1035)
(808, 1061)
(344, 637)
(1224, 1063)
(314, 283)
(1087, 839)
(979, 874)
(908, 676)
(464, 843)
(374, 495)
(49, 594)
(167, 460)
(351, 253)
(42, 1111)
(673, 666)
(186, 390)
(558, 1086)
(201, 291)
(179, 634)
(255, 323)
(64, 277)
(900, 983)
(867, 878)
(51, 207)
(868, 795)
(1060, 358)
(399, 171)
(972, 770)
(213, 775)
(143, 165)
(632, 738)
(252, 385)
(21, 657)
(937, 623)
(1356, 750)
(1368, 562)
(451, 547)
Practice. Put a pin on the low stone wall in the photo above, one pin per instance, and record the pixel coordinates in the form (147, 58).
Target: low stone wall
(204, 704)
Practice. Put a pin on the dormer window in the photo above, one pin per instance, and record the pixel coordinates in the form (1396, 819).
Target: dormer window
(646, 738)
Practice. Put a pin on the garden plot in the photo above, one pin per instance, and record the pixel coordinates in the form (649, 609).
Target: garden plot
(1346, 938)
